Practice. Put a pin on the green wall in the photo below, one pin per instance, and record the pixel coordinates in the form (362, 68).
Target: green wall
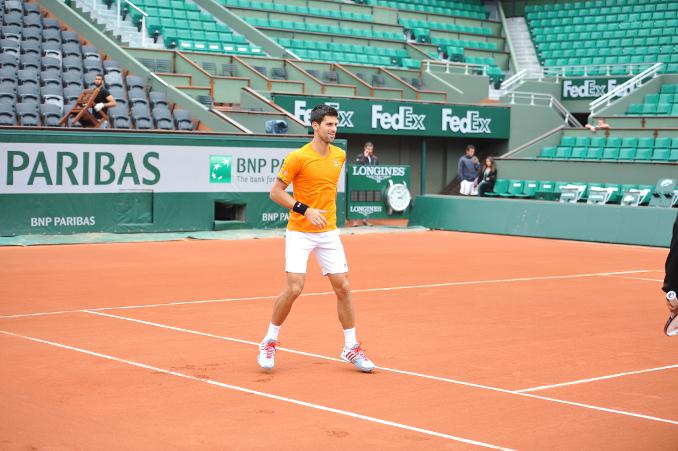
(600, 223)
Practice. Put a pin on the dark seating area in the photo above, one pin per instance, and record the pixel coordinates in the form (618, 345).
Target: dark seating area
(43, 70)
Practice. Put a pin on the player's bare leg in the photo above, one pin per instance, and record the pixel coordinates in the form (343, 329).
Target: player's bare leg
(281, 308)
(352, 351)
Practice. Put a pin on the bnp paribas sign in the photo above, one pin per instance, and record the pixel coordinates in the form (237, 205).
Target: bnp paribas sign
(383, 117)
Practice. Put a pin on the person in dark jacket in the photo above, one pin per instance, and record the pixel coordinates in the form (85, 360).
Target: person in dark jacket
(487, 176)
(367, 156)
(467, 169)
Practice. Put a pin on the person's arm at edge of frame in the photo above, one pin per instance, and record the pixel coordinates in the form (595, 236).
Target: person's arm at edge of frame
(285, 200)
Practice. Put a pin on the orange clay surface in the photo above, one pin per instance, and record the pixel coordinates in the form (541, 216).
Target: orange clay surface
(473, 336)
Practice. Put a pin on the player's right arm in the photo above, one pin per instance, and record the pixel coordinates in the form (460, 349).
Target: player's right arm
(283, 198)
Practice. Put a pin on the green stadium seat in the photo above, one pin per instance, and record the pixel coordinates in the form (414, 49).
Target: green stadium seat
(616, 194)
(629, 141)
(635, 109)
(652, 98)
(663, 142)
(515, 189)
(610, 153)
(666, 98)
(643, 154)
(568, 141)
(597, 141)
(660, 154)
(563, 152)
(582, 141)
(649, 108)
(500, 187)
(585, 195)
(530, 188)
(625, 188)
(547, 152)
(594, 153)
(579, 153)
(545, 190)
(646, 141)
(627, 153)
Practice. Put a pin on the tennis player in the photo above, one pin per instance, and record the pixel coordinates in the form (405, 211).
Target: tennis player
(670, 286)
(313, 171)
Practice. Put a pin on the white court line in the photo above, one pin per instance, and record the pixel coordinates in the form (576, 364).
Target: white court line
(393, 370)
(634, 278)
(260, 393)
(363, 290)
(593, 379)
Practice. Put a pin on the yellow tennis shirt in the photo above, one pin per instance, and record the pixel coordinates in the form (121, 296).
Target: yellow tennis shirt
(314, 180)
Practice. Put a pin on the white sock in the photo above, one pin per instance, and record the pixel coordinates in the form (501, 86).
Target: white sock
(273, 332)
(349, 338)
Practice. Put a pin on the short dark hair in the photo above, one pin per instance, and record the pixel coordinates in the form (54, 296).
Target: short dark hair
(320, 111)
(98, 74)
(470, 147)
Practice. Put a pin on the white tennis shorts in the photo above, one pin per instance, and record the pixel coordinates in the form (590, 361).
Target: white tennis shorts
(327, 248)
(466, 187)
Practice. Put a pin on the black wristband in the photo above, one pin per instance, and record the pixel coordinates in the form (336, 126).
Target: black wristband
(300, 208)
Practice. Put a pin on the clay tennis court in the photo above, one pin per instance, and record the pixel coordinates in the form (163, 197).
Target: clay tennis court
(481, 341)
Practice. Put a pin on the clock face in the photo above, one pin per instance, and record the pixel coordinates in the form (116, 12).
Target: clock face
(398, 197)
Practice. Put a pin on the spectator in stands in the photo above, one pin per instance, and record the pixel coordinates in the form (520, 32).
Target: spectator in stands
(600, 125)
(367, 156)
(486, 177)
(104, 99)
(468, 170)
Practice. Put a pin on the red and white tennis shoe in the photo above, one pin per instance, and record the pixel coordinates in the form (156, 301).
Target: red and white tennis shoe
(266, 357)
(356, 356)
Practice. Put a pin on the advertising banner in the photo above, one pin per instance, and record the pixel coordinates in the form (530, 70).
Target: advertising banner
(368, 188)
(589, 88)
(107, 168)
(383, 117)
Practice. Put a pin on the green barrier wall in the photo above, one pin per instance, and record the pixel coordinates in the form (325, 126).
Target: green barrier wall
(75, 182)
(601, 223)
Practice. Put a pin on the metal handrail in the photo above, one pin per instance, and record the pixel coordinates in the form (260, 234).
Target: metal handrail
(468, 69)
(625, 88)
(513, 79)
(558, 72)
(535, 97)
(143, 20)
(594, 69)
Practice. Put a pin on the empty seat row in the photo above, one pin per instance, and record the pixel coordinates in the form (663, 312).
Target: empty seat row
(614, 148)
(445, 26)
(477, 12)
(342, 47)
(298, 10)
(324, 29)
(18, 33)
(20, 7)
(550, 190)
(466, 43)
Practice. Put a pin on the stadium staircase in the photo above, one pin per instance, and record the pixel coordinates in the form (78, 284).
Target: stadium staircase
(107, 16)
(525, 54)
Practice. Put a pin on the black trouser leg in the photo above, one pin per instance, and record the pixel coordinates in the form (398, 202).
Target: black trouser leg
(671, 266)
